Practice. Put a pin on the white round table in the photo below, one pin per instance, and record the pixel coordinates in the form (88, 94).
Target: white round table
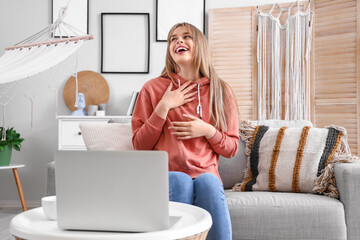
(186, 221)
(18, 182)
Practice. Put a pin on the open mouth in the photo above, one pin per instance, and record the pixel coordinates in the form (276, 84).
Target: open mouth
(181, 49)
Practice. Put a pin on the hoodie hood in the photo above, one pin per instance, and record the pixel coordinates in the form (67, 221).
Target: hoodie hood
(178, 81)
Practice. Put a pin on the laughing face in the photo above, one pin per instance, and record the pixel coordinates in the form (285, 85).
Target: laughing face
(182, 46)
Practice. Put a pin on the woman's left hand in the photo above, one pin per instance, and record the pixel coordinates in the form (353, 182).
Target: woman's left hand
(193, 128)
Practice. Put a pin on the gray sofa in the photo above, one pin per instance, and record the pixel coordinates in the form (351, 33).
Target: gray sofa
(279, 215)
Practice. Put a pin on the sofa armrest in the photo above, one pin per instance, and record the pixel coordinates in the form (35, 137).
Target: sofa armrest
(348, 183)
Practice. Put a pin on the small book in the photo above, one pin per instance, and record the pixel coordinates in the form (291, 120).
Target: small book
(132, 103)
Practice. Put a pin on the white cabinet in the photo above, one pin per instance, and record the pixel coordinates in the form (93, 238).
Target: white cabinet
(70, 136)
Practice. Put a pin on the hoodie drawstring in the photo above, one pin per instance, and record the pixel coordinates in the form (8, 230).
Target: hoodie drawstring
(199, 107)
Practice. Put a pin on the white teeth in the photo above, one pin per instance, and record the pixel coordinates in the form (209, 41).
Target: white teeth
(181, 48)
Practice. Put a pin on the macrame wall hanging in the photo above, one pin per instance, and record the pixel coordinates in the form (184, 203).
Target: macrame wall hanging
(34, 55)
(283, 57)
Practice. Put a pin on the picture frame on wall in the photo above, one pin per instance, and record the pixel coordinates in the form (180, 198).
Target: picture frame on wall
(170, 12)
(77, 15)
(125, 42)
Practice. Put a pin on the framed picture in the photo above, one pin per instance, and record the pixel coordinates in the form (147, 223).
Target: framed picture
(125, 42)
(170, 12)
(77, 15)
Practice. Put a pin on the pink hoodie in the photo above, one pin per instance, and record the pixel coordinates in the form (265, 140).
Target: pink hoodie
(193, 156)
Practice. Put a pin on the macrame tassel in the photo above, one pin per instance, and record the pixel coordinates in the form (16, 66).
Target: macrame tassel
(246, 133)
(282, 56)
(76, 84)
(326, 183)
(76, 90)
(287, 74)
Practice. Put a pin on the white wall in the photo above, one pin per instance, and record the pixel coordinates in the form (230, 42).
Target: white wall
(20, 19)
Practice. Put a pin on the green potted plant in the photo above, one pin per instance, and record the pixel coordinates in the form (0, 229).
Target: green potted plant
(11, 141)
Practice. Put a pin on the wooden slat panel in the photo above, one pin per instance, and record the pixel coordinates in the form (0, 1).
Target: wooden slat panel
(324, 76)
(336, 67)
(335, 101)
(333, 85)
(337, 17)
(335, 7)
(324, 3)
(344, 44)
(334, 95)
(232, 43)
(357, 139)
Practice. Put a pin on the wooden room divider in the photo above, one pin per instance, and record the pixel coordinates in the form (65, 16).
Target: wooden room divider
(232, 41)
(335, 61)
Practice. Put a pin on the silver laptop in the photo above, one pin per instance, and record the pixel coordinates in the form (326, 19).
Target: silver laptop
(112, 190)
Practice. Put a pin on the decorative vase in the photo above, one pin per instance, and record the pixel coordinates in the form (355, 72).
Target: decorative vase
(5, 156)
(81, 106)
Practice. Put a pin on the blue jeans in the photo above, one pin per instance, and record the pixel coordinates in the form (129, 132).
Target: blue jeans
(207, 192)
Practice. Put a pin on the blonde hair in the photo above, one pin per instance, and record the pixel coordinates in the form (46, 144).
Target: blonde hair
(220, 92)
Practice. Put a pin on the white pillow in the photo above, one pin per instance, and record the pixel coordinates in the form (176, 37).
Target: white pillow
(108, 136)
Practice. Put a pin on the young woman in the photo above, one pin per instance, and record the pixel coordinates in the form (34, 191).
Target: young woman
(191, 113)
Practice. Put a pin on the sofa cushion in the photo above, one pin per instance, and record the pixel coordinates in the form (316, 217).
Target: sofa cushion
(270, 215)
(232, 169)
(287, 158)
(107, 136)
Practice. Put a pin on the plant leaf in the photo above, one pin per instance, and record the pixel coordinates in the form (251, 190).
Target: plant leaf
(17, 142)
(16, 147)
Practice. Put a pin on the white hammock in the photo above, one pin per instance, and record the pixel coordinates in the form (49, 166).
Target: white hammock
(36, 54)
(41, 51)
(21, 63)
(283, 56)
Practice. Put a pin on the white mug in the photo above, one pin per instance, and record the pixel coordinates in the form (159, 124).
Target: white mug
(49, 207)
(92, 110)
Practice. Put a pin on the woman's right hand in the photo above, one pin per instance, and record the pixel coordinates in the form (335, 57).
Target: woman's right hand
(178, 97)
(174, 99)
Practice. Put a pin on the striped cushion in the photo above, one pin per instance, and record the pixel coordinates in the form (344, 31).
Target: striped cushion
(289, 159)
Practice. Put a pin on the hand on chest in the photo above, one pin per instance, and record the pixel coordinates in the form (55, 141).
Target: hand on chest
(197, 108)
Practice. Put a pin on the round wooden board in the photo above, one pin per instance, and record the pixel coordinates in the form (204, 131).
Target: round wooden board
(92, 84)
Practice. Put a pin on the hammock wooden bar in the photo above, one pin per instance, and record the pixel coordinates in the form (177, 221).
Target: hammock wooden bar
(71, 39)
